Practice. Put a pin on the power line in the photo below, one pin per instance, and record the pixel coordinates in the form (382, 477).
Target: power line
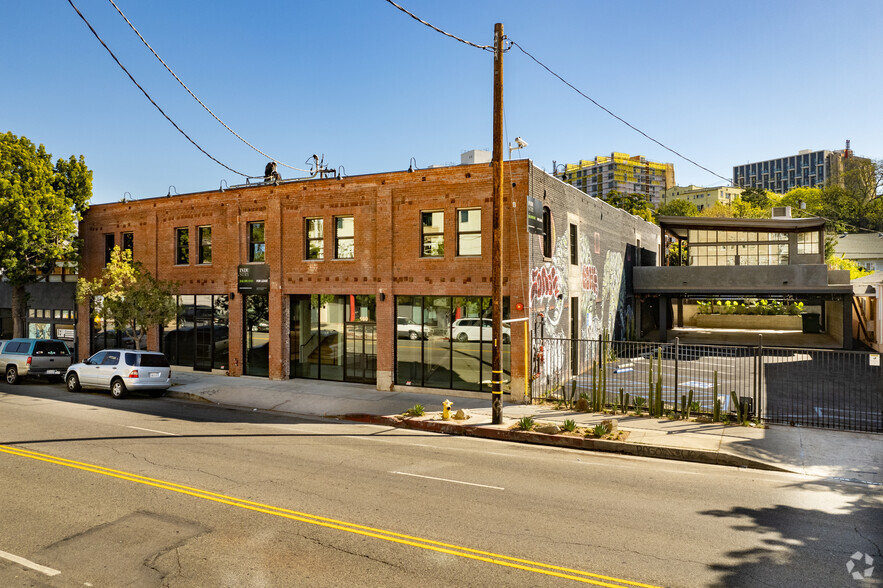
(143, 91)
(183, 85)
(435, 28)
(620, 119)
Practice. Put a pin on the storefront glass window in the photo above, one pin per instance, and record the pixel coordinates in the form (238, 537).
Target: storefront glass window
(257, 335)
(456, 346)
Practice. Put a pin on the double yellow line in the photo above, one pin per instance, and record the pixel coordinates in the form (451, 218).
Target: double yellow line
(465, 552)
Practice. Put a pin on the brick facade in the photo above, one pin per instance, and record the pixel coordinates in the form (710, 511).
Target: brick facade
(386, 210)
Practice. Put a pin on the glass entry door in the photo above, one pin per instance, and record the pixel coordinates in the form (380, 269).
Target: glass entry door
(202, 329)
(361, 352)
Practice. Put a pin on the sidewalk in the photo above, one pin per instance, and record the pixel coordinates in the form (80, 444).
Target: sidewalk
(812, 452)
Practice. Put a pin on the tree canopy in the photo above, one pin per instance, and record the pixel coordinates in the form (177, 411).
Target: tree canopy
(129, 295)
(678, 207)
(636, 204)
(40, 206)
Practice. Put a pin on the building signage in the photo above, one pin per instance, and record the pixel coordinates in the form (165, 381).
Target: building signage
(254, 278)
(534, 216)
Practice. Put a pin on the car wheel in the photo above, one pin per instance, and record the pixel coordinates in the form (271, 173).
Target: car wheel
(73, 383)
(413, 335)
(505, 338)
(12, 375)
(462, 337)
(118, 389)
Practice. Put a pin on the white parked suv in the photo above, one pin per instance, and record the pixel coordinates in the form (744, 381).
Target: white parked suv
(121, 371)
(476, 329)
(405, 327)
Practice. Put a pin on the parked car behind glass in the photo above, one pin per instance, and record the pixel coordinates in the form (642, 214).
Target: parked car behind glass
(475, 329)
(121, 371)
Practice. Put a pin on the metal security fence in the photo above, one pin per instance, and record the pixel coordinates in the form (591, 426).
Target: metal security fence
(821, 388)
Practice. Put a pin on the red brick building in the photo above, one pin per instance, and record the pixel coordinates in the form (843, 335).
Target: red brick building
(379, 278)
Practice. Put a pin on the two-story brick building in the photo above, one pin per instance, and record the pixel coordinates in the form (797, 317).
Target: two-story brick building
(381, 278)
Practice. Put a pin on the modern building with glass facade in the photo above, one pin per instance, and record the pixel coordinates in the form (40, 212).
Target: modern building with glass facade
(621, 173)
(382, 279)
(807, 169)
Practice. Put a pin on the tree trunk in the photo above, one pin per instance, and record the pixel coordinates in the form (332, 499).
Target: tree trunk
(19, 311)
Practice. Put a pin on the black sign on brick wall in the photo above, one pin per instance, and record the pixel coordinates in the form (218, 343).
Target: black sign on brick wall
(254, 278)
(534, 216)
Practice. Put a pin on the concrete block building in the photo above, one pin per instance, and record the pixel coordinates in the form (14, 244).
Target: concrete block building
(382, 278)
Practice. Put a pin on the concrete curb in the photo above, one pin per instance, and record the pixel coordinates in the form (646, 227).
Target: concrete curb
(572, 442)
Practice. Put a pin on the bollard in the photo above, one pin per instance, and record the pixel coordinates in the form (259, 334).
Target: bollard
(446, 409)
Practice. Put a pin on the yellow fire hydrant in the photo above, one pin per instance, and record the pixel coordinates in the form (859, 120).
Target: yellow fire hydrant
(446, 410)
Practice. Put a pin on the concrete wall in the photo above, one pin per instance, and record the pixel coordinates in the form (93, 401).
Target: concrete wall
(733, 279)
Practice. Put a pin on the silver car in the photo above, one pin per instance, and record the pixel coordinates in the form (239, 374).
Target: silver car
(121, 371)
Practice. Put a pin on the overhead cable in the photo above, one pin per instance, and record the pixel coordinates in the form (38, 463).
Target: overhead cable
(183, 85)
(625, 122)
(143, 91)
(435, 28)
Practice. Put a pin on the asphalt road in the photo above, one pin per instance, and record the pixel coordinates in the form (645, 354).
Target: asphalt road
(160, 492)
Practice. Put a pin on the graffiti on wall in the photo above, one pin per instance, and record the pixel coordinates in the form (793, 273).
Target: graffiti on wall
(602, 306)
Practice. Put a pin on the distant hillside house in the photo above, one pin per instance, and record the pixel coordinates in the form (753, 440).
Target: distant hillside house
(866, 249)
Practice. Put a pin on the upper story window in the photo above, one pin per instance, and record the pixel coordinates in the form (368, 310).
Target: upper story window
(807, 243)
(344, 237)
(108, 247)
(315, 243)
(469, 231)
(205, 245)
(574, 246)
(718, 248)
(432, 228)
(547, 232)
(256, 244)
(182, 246)
(129, 242)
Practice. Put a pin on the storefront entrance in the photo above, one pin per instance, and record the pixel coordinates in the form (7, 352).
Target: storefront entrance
(334, 337)
(361, 352)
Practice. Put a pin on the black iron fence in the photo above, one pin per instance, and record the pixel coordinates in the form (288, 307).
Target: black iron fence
(822, 388)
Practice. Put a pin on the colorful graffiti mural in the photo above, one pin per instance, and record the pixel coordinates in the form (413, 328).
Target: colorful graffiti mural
(602, 306)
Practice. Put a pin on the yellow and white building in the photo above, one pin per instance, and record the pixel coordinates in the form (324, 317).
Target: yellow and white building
(622, 173)
(702, 197)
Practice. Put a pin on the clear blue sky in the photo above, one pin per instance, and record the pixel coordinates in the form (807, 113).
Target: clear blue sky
(362, 83)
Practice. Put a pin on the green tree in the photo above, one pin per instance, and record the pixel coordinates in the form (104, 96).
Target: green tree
(128, 294)
(757, 197)
(718, 210)
(40, 205)
(636, 204)
(678, 207)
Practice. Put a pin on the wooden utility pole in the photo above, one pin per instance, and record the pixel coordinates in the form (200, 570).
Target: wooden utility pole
(497, 254)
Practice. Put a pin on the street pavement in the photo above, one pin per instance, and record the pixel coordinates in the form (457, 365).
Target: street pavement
(839, 455)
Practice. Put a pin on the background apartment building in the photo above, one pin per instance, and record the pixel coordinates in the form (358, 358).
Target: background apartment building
(622, 173)
(702, 197)
(807, 169)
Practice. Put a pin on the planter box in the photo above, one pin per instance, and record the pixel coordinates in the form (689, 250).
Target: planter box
(781, 322)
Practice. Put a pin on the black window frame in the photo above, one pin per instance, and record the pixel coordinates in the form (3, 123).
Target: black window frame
(574, 245)
(257, 249)
(461, 233)
(182, 250)
(204, 249)
(338, 240)
(308, 240)
(547, 232)
(127, 242)
(109, 243)
(427, 247)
